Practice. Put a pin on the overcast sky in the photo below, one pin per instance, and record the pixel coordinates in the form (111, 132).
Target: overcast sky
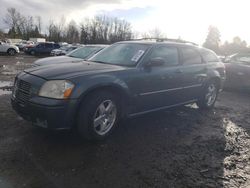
(188, 19)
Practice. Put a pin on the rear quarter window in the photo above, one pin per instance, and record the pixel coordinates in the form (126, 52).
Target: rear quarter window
(190, 56)
(209, 56)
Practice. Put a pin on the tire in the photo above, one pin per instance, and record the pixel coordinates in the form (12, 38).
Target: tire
(98, 115)
(32, 52)
(209, 95)
(11, 51)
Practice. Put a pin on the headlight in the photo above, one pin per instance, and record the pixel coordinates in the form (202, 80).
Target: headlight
(57, 89)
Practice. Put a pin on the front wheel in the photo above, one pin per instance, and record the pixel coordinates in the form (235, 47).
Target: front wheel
(98, 116)
(11, 52)
(32, 52)
(209, 96)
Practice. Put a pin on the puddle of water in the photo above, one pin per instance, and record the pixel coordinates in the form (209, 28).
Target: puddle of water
(5, 87)
(14, 69)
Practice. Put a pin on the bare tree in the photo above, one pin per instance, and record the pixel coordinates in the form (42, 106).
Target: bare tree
(39, 23)
(72, 33)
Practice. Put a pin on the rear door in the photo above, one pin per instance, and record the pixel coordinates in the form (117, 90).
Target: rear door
(194, 73)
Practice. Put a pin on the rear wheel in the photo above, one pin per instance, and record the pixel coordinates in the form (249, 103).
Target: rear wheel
(11, 51)
(209, 96)
(98, 115)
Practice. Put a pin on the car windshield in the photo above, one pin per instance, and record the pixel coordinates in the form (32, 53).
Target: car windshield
(127, 54)
(84, 52)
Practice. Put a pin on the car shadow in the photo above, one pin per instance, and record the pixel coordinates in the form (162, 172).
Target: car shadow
(183, 147)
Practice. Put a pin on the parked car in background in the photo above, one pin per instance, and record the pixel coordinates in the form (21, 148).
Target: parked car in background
(125, 79)
(10, 49)
(238, 71)
(24, 44)
(63, 50)
(76, 55)
(41, 48)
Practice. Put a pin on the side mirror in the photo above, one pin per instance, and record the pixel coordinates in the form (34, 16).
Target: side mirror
(158, 61)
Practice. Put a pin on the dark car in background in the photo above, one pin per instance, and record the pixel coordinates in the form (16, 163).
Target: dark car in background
(76, 55)
(42, 48)
(238, 71)
(125, 79)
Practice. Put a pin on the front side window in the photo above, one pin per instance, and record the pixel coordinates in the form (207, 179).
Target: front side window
(127, 54)
(190, 56)
(41, 45)
(169, 55)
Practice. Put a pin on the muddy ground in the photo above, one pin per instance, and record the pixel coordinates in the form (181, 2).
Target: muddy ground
(184, 147)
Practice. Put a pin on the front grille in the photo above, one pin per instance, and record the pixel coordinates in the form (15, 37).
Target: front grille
(22, 90)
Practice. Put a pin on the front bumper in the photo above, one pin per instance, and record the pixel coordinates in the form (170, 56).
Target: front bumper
(47, 113)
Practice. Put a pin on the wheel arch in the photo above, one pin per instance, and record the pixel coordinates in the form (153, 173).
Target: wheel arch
(214, 75)
(217, 80)
(11, 49)
(117, 90)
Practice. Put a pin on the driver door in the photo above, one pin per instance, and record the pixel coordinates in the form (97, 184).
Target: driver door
(158, 85)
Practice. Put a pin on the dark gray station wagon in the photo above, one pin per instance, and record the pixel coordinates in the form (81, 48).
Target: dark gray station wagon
(123, 80)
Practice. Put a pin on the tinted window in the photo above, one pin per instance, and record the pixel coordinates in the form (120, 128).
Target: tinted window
(190, 56)
(48, 45)
(209, 56)
(41, 45)
(168, 54)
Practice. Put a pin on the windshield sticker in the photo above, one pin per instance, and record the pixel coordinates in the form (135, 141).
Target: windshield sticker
(138, 55)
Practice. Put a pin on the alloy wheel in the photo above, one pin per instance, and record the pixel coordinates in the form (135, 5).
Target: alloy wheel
(105, 117)
(211, 94)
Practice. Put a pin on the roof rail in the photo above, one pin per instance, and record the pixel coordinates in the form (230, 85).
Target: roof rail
(168, 39)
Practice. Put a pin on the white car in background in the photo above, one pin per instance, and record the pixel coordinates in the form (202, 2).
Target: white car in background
(24, 44)
(10, 49)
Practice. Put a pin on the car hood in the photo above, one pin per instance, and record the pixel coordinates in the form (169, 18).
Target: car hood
(69, 70)
(56, 60)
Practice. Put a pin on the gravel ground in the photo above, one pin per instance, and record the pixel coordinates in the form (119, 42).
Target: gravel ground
(183, 147)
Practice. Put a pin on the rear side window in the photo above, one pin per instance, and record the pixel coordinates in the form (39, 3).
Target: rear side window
(168, 54)
(209, 56)
(190, 56)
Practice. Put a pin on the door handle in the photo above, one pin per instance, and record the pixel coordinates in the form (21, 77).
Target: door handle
(179, 71)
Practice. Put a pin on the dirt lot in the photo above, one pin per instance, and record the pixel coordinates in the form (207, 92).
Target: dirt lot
(184, 147)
